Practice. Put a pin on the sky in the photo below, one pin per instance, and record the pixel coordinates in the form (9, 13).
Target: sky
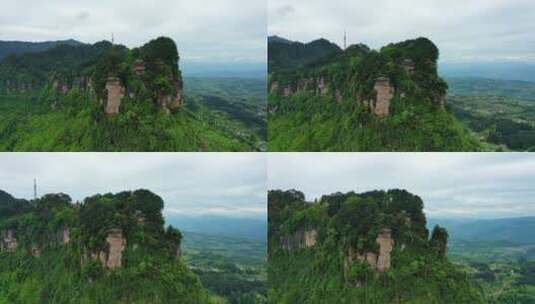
(464, 30)
(452, 185)
(204, 30)
(221, 184)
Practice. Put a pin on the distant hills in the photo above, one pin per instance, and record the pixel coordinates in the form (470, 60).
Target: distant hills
(251, 228)
(286, 54)
(22, 47)
(517, 230)
(506, 70)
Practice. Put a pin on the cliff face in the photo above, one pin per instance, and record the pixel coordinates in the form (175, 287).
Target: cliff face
(301, 239)
(112, 256)
(373, 79)
(378, 261)
(9, 241)
(115, 92)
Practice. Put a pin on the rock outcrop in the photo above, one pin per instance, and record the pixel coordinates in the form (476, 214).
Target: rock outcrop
(172, 101)
(384, 95)
(111, 257)
(301, 239)
(116, 245)
(9, 241)
(116, 92)
(378, 261)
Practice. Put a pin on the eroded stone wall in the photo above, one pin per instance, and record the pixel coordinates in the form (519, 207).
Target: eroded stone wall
(302, 238)
(116, 93)
(384, 95)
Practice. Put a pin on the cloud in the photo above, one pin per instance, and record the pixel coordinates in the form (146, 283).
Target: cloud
(483, 185)
(190, 183)
(478, 30)
(204, 30)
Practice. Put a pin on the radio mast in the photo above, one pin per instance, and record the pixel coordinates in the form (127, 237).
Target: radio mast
(34, 188)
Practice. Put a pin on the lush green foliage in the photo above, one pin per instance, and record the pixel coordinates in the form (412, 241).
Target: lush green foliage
(233, 268)
(151, 272)
(312, 123)
(340, 118)
(287, 55)
(36, 116)
(500, 112)
(28, 124)
(316, 275)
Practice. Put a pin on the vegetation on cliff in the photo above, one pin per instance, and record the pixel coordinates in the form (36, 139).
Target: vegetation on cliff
(363, 100)
(106, 97)
(110, 248)
(339, 265)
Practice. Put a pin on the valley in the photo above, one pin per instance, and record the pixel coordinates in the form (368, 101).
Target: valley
(500, 113)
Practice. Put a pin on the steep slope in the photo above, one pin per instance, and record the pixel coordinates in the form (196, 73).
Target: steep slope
(22, 47)
(110, 248)
(364, 100)
(105, 97)
(372, 247)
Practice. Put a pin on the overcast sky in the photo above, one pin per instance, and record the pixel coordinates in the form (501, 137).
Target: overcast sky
(227, 184)
(464, 30)
(204, 30)
(477, 185)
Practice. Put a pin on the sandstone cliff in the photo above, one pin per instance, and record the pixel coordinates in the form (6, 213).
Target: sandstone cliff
(301, 239)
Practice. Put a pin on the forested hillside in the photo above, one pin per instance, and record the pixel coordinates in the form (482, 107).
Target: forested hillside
(371, 247)
(110, 248)
(105, 97)
(360, 99)
(21, 47)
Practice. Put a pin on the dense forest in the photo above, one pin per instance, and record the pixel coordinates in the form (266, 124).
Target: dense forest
(110, 248)
(105, 97)
(360, 99)
(371, 247)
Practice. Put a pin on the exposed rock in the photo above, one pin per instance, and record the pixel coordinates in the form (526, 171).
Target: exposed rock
(377, 261)
(300, 239)
(287, 91)
(385, 93)
(386, 243)
(408, 66)
(274, 88)
(323, 89)
(36, 251)
(170, 101)
(116, 92)
(139, 67)
(65, 235)
(116, 245)
(8, 241)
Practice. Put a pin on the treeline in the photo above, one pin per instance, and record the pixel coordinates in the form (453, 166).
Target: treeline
(350, 222)
(50, 267)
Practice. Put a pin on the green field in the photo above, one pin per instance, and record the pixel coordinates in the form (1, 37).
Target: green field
(233, 268)
(499, 112)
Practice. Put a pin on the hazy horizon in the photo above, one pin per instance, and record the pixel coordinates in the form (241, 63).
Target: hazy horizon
(482, 30)
(204, 31)
(452, 185)
(221, 184)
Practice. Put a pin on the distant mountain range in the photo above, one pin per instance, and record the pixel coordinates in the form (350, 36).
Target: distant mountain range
(286, 54)
(496, 70)
(252, 228)
(21, 47)
(516, 230)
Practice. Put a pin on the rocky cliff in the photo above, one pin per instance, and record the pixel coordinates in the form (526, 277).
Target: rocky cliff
(108, 73)
(300, 239)
(371, 79)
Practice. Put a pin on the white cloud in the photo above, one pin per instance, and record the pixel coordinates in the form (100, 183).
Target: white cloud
(190, 183)
(204, 30)
(463, 30)
(451, 184)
